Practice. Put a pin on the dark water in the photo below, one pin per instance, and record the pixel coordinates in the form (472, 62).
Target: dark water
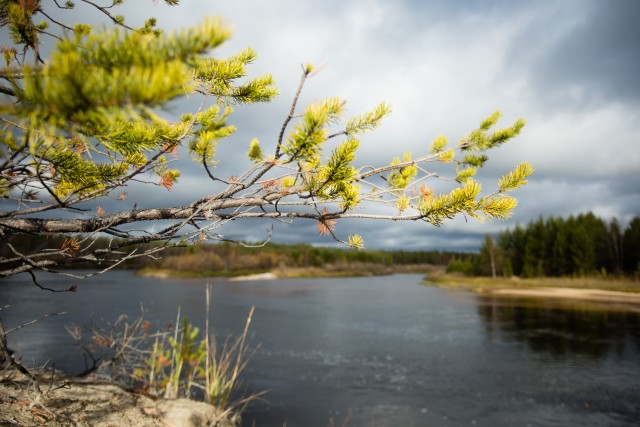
(381, 351)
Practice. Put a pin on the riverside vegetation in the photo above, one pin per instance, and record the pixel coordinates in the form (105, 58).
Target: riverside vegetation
(178, 362)
(171, 363)
(300, 260)
(231, 259)
(582, 252)
(578, 246)
(578, 252)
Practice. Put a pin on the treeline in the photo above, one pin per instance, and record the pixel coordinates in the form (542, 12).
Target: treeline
(235, 257)
(583, 245)
(226, 256)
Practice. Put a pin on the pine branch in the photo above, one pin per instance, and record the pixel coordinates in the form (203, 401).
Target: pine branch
(85, 143)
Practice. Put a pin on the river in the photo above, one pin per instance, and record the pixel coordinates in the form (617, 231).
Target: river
(379, 351)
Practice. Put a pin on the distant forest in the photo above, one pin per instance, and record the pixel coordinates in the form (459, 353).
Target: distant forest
(584, 245)
(233, 257)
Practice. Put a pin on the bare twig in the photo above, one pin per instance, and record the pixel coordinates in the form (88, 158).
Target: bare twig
(66, 27)
(8, 356)
(7, 91)
(24, 325)
(303, 78)
(33, 277)
(106, 12)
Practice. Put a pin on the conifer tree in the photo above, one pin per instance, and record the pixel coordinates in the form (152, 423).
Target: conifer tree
(534, 258)
(615, 245)
(511, 245)
(558, 237)
(85, 122)
(631, 247)
(581, 245)
(597, 229)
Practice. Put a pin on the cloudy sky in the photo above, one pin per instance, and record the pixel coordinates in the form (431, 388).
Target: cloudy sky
(570, 68)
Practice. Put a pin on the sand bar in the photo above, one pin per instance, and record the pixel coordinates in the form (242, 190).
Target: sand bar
(594, 295)
(261, 276)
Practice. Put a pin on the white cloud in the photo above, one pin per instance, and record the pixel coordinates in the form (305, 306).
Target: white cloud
(576, 145)
(444, 67)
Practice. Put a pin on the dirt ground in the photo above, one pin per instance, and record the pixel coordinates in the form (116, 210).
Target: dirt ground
(94, 402)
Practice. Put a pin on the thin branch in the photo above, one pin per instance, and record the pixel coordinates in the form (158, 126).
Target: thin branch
(16, 153)
(310, 215)
(303, 78)
(66, 27)
(213, 178)
(7, 91)
(61, 7)
(4, 351)
(342, 132)
(35, 281)
(51, 35)
(106, 12)
(24, 325)
(379, 170)
(11, 73)
(257, 245)
(25, 267)
(46, 187)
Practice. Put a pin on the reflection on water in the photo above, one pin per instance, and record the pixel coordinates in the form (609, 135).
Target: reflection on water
(561, 329)
(386, 350)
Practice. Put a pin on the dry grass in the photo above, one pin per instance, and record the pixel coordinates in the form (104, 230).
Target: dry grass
(223, 366)
(488, 283)
(317, 272)
(170, 363)
(354, 269)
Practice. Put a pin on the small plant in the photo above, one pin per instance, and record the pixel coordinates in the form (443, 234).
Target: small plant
(172, 362)
(117, 349)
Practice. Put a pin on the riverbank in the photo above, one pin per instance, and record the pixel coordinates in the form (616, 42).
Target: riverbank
(92, 401)
(601, 290)
(165, 273)
(482, 283)
(328, 271)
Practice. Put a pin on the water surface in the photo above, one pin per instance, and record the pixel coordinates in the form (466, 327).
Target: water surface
(383, 351)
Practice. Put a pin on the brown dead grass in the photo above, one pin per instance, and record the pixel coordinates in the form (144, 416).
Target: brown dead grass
(488, 283)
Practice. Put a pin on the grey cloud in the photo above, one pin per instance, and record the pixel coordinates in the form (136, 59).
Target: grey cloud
(582, 54)
(377, 235)
(567, 67)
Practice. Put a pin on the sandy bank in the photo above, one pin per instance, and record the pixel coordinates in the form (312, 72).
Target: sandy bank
(159, 274)
(593, 295)
(261, 276)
